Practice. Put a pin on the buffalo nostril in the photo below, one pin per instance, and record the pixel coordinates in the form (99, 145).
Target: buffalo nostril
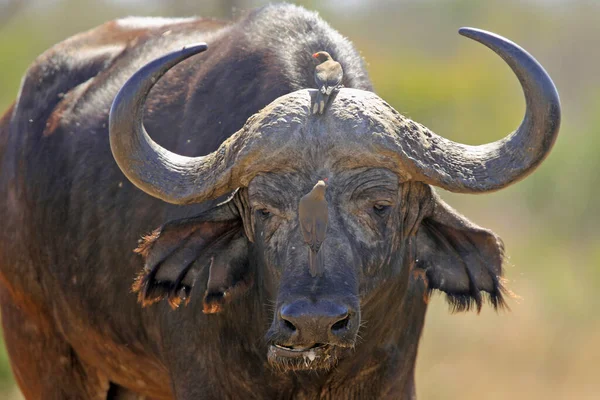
(309, 322)
(289, 325)
(342, 324)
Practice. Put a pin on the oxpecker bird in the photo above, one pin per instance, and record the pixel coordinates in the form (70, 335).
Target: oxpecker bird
(328, 77)
(314, 217)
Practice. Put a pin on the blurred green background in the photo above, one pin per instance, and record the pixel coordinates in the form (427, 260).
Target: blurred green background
(548, 346)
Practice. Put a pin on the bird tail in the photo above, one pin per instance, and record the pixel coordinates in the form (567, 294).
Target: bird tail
(313, 262)
(319, 105)
(316, 263)
(315, 107)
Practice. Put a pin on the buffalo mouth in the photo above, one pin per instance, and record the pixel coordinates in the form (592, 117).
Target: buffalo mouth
(317, 357)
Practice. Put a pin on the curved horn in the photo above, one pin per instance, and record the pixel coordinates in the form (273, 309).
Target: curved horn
(265, 142)
(145, 163)
(475, 169)
(159, 172)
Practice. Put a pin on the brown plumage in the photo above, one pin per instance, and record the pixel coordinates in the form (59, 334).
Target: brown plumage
(313, 215)
(328, 77)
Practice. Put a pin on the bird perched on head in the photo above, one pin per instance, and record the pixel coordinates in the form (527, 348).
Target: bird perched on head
(328, 77)
(314, 217)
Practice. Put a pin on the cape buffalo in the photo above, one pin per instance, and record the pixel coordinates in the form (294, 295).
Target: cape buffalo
(242, 316)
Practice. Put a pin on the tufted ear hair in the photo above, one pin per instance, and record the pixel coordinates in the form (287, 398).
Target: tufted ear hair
(460, 258)
(177, 252)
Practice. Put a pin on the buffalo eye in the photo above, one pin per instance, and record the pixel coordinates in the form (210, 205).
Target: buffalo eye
(380, 209)
(263, 213)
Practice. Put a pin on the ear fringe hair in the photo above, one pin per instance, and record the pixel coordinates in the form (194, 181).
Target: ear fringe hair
(146, 242)
(460, 302)
(148, 290)
(151, 291)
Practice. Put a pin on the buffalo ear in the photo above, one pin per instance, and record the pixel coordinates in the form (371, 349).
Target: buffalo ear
(177, 252)
(228, 276)
(460, 258)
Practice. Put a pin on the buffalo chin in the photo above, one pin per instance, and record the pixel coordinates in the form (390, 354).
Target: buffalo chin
(316, 358)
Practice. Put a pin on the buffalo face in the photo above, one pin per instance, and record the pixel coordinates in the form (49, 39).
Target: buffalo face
(317, 316)
(385, 224)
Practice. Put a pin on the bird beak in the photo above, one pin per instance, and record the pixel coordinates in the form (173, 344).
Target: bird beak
(315, 55)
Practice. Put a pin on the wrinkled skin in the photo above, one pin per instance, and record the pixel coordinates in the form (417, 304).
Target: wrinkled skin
(358, 241)
(222, 280)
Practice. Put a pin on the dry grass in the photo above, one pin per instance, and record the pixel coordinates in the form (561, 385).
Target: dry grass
(528, 353)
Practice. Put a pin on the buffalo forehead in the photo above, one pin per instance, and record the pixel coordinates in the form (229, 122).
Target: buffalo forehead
(348, 135)
(283, 190)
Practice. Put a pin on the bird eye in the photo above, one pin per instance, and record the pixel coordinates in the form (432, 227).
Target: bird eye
(381, 209)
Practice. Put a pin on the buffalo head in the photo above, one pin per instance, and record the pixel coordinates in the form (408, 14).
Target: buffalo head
(384, 222)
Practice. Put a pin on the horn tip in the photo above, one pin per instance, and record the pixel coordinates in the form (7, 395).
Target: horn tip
(194, 48)
(473, 33)
(492, 40)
